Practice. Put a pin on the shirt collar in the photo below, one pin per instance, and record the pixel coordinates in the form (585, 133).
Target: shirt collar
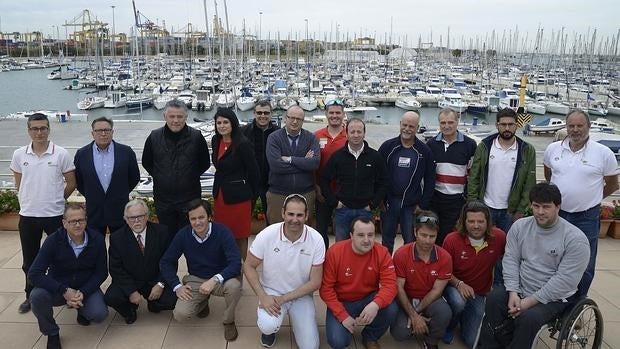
(498, 146)
(108, 150)
(433, 259)
(302, 238)
(74, 245)
(357, 153)
(51, 147)
(142, 234)
(459, 137)
(565, 144)
(198, 238)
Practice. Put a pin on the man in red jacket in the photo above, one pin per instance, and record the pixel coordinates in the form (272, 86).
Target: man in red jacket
(359, 286)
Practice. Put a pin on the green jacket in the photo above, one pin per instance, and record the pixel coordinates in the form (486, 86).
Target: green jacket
(523, 179)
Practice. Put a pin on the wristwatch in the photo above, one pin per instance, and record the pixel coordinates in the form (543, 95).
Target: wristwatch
(161, 284)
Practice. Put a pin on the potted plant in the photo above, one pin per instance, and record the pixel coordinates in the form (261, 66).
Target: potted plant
(9, 208)
(607, 219)
(258, 218)
(614, 230)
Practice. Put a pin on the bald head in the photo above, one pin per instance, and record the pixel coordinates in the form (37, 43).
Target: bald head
(409, 123)
(294, 119)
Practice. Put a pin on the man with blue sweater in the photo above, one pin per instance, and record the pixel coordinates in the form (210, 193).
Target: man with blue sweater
(69, 270)
(213, 265)
(411, 180)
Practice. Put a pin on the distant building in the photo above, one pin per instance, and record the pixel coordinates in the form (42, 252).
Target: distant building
(351, 56)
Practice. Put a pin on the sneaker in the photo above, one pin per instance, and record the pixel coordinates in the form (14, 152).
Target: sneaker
(230, 331)
(448, 337)
(205, 311)
(268, 340)
(53, 342)
(24, 307)
(82, 320)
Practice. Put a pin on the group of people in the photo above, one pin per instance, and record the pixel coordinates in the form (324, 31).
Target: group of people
(453, 202)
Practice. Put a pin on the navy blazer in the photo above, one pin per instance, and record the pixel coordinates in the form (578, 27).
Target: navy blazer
(106, 208)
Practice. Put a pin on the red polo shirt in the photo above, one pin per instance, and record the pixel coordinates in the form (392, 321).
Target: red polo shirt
(328, 146)
(475, 269)
(419, 275)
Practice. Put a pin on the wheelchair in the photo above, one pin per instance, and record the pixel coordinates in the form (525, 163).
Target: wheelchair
(578, 327)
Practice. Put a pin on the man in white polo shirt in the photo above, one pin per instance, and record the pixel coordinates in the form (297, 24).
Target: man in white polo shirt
(292, 256)
(44, 178)
(585, 171)
(502, 173)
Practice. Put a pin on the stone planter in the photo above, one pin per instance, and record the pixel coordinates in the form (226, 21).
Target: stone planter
(9, 221)
(605, 226)
(614, 229)
(257, 225)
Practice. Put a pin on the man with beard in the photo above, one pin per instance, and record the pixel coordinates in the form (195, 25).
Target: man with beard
(502, 173)
(579, 160)
(545, 258)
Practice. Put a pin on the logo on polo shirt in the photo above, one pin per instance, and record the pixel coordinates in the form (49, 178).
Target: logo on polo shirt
(434, 273)
(347, 272)
(25, 163)
(302, 251)
(412, 270)
(276, 250)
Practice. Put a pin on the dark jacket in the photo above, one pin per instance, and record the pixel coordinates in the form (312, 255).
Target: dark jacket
(298, 175)
(258, 138)
(175, 161)
(523, 179)
(359, 182)
(129, 268)
(422, 182)
(236, 173)
(55, 268)
(106, 208)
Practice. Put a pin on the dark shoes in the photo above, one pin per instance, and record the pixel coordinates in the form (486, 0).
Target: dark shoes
(132, 316)
(205, 311)
(24, 307)
(230, 331)
(430, 346)
(53, 342)
(82, 320)
(371, 344)
(268, 340)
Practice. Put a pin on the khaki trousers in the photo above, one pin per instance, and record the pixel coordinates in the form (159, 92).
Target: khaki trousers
(230, 290)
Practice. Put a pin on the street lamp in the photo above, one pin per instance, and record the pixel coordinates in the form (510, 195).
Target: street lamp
(112, 43)
(260, 24)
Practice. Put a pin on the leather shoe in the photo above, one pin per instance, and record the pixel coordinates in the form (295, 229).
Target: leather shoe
(82, 320)
(230, 331)
(131, 317)
(53, 342)
(24, 307)
(371, 344)
(205, 311)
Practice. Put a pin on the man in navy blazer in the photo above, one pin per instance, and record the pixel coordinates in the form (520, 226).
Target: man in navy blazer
(106, 172)
(135, 251)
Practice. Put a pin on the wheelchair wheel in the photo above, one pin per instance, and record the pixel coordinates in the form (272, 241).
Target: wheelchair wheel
(582, 327)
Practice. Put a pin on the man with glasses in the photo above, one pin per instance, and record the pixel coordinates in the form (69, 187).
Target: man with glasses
(257, 132)
(423, 270)
(135, 251)
(69, 270)
(175, 155)
(502, 172)
(411, 180)
(293, 155)
(331, 138)
(586, 172)
(291, 254)
(106, 172)
(44, 178)
(544, 261)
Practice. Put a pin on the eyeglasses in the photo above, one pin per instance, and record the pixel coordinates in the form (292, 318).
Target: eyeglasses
(39, 129)
(103, 131)
(260, 112)
(135, 218)
(334, 102)
(76, 222)
(290, 197)
(294, 119)
(426, 219)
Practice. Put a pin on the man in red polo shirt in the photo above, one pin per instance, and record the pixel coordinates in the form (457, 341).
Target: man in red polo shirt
(475, 247)
(423, 271)
(331, 138)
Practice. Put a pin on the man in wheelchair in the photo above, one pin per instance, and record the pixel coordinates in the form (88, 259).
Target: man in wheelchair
(543, 263)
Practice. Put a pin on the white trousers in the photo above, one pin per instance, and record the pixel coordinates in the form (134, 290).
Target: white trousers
(302, 316)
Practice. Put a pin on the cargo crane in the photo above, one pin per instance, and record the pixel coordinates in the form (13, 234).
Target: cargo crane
(89, 29)
(146, 27)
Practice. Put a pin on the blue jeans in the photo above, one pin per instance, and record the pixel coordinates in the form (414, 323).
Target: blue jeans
(468, 313)
(343, 218)
(42, 302)
(393, 215)
(588, 222)
(503, 220)
(339, 337)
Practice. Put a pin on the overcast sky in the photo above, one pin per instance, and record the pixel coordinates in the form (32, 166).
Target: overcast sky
(467, 19)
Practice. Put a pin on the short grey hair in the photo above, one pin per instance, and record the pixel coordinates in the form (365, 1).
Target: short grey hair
(448, 111)
(136, 202)
(176, 103)
(579, 112)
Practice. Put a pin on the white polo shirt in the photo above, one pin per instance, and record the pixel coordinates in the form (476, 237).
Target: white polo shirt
(42, 187)
(502, 164)
(286, 264)
(579, 175)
